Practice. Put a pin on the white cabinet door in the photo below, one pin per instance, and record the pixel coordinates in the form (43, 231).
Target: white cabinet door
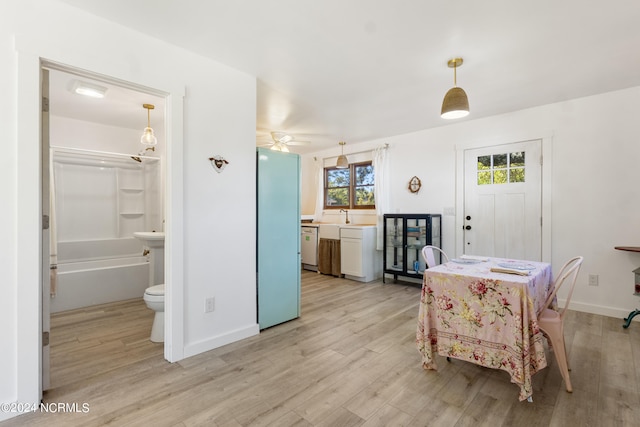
(351, 256)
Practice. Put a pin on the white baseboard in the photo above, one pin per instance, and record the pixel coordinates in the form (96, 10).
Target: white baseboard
(198, 347)
(601, 310)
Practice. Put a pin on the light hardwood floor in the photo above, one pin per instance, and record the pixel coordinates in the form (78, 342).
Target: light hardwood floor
(350, 360)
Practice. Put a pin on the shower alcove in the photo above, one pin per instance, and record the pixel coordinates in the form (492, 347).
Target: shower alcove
(99, 200)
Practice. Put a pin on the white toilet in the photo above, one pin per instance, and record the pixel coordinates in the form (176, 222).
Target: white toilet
(154, 298)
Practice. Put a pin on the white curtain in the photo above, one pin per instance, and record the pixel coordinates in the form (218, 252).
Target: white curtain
(319, 190)
(381, 192)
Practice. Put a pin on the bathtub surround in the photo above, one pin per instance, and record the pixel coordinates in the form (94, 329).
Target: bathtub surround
(87, 283)
(101, 199)
(103, 195)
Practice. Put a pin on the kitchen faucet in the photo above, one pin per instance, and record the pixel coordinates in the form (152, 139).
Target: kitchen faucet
(346, 215)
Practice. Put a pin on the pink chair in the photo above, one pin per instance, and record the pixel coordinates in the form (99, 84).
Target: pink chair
(428, 253)
(551, 321)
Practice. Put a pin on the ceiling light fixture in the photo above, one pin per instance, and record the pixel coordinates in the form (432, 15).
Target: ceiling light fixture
(455, 103)
(88, 89)
(148, 138)
(279, 146)
(342, 162)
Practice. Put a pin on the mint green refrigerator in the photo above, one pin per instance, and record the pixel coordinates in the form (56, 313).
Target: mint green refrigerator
(278, 245)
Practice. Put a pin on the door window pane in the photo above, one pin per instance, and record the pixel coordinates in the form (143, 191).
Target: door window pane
(484, 178)
(516, 175)
(501, 168)
(500, 176)
(516, 159)
(484, 162)
(499, 160)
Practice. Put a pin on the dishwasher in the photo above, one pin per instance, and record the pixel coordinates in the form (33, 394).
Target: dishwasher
(309, 248)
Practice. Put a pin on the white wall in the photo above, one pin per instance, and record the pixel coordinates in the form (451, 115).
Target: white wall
(595, 151)
(211, 225)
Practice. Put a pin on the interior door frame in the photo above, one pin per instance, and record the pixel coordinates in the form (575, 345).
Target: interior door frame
(28, 374)
(547, 163)
(46, 230)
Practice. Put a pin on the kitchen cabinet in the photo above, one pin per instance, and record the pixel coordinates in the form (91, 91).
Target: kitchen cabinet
(359, 259)
(404, 237)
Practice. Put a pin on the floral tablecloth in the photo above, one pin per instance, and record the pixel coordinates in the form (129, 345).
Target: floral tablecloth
(470, 313)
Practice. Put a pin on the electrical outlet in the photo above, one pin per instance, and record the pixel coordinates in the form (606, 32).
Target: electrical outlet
(593, 280)
(209, 304)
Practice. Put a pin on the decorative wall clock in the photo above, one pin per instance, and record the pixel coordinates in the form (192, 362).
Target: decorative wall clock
(415, 184)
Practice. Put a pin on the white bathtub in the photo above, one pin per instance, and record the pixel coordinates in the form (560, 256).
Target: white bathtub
(91, 282)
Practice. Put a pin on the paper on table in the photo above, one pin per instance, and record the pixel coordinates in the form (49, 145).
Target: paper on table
(477, 258)
(510, 271)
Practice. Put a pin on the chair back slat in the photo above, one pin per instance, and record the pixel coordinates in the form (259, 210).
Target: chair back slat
(568, 273)
(428, 253)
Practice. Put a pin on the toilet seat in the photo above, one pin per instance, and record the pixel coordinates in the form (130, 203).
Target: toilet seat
(157, 290)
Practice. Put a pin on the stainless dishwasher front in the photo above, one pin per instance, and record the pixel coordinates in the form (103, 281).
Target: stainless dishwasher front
(309, 248)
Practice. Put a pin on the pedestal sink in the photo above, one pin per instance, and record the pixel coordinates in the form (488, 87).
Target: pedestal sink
(154, 242)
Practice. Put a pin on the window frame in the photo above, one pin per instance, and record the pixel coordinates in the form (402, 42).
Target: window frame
(351, 188)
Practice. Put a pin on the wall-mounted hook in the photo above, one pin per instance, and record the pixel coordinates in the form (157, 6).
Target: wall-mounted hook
(218, 163)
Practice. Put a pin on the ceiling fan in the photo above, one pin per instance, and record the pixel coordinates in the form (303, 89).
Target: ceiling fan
(280, 141)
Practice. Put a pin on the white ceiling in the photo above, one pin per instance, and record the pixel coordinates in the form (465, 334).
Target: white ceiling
(120, 106)
(359, 70)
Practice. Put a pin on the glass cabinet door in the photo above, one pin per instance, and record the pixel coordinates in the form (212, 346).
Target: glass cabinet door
(416, 240)
(395, 244)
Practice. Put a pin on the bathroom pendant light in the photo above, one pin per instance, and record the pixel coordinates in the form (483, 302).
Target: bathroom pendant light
(342, 162)
(148, 138)
(455, 104)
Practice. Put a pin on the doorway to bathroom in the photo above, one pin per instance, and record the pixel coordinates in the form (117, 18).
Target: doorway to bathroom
(99, 186)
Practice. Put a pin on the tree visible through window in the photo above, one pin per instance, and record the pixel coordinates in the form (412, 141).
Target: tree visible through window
(501, 168)
(350, 188)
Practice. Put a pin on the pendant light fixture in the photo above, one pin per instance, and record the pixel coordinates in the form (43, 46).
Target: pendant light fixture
(455, 104)
(342, 162)
(148, 138)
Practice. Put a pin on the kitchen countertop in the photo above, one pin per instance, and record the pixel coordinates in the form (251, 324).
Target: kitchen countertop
(317, 224)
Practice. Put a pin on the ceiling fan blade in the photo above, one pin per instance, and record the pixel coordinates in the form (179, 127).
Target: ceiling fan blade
(294, 142)
(281, 137)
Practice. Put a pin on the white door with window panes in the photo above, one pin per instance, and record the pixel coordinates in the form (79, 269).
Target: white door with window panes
(503, 201)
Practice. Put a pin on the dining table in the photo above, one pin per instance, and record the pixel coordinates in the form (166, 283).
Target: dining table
(483, 310)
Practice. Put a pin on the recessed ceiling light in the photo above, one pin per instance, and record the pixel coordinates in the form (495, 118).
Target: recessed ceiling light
(88, 89)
